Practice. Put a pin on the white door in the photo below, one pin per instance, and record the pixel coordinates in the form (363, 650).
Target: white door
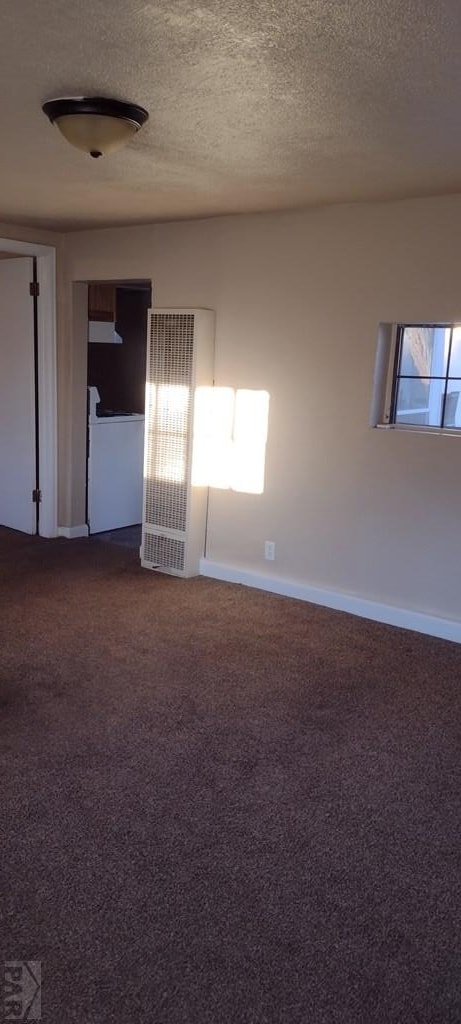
(17, 396)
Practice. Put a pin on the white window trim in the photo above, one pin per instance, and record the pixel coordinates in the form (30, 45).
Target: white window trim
(415, 428)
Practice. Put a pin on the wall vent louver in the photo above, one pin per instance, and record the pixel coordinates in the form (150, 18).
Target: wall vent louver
(179, 359)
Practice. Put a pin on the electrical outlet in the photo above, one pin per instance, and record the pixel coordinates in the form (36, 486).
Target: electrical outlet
(269, 550)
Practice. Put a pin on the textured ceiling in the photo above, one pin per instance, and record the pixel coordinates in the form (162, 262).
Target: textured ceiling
(254, 104)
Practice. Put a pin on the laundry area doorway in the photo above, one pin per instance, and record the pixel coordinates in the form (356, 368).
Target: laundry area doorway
(116, 378)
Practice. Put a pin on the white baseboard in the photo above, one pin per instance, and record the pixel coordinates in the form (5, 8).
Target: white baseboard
(405, 618)
(72, 532)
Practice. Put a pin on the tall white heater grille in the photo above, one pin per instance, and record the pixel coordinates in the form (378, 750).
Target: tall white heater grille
(180, 344)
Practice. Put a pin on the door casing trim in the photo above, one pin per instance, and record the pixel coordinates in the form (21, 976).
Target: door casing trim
(47, 377)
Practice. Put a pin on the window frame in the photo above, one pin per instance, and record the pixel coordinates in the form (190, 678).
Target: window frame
(393, 378)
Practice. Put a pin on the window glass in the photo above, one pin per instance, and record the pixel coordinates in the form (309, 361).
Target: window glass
(424, 351)
(452, 404)
(419, 401)
(454, 368)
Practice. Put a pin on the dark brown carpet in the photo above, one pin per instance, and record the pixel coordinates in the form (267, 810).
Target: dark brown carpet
(223, 807)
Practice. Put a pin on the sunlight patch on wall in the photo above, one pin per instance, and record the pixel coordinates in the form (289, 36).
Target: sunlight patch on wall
(230, 434)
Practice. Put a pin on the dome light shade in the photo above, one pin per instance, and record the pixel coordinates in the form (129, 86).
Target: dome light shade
(96, 125)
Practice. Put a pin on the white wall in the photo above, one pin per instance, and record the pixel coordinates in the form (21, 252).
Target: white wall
(299, 298)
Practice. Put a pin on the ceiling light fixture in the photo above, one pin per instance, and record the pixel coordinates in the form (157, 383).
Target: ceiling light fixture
(96, 125)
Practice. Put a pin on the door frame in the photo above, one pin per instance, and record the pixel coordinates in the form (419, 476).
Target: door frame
(46, 376)
(80, 303)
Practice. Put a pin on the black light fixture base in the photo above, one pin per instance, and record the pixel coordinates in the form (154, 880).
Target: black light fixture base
(95, 105)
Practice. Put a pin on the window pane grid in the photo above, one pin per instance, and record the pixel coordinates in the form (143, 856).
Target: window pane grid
(424, 390)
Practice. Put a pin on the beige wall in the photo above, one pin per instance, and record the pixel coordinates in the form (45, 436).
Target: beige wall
(299, 298)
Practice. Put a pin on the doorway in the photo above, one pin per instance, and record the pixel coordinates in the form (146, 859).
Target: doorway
(116, 376)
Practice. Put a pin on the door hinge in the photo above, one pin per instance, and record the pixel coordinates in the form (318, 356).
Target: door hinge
(34, 289)
(36, 496)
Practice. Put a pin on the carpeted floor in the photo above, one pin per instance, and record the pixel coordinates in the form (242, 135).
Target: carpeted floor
(223, 807)
(127, 536)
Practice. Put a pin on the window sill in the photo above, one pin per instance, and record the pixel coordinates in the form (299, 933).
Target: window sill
(418, 429)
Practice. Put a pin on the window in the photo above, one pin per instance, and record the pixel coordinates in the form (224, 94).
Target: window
(424, 385)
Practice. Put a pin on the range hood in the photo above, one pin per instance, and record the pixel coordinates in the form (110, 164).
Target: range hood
(103, 332)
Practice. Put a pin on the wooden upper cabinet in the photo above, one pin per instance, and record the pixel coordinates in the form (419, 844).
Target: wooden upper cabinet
(101, 302)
